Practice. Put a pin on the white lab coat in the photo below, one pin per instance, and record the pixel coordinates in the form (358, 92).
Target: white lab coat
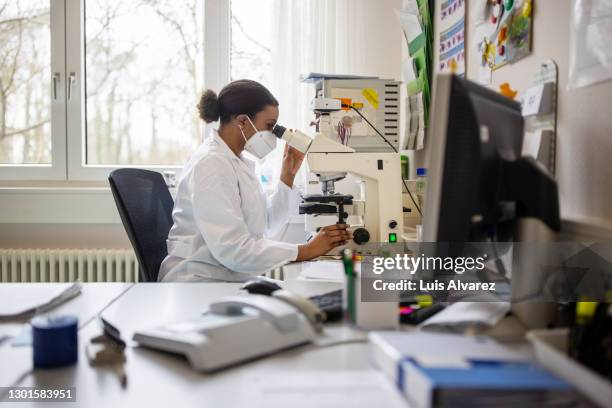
(223, 220)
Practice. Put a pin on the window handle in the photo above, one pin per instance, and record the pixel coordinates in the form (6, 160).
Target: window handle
(71, 79)
(56, 79)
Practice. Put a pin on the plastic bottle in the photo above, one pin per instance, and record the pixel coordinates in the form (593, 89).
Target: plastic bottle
(421, 186)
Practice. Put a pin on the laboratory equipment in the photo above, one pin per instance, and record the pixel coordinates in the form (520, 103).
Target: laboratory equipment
(376, 204)
(237, 329)
(379, 204)
(377, 100)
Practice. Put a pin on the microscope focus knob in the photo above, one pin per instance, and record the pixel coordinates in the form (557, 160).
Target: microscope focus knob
(361, 236)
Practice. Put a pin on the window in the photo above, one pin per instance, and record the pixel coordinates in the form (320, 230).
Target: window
(251, 49)
(32, 134)
(251, 58)
(142, 84)
(90, 85)
(25, 111)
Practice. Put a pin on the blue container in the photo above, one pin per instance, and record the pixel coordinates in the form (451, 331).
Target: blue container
(55, 341)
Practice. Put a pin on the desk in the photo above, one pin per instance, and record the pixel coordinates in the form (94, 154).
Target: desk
(158, 378)
(93, 299)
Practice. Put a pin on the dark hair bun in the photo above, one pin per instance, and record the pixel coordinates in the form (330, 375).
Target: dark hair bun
(208, 108)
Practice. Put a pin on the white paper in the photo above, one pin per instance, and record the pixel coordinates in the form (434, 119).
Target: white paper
(329, 271)
(590, 45)
(421, 130)
(322, 389)
(23, 298)
(410, 24)
(442, 361)
(531, 143)
(408, 70)
(532, 100)
(484, 75)
(482, 31)
(462, 315)
(478, 11)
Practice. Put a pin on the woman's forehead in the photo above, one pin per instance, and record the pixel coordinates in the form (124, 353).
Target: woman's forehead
(270, 112)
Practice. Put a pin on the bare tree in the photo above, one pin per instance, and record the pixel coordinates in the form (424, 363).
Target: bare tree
(23, 31)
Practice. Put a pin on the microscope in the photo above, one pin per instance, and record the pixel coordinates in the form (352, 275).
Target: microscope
(378, 207)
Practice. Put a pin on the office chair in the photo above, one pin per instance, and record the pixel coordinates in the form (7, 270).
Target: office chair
(145, 206)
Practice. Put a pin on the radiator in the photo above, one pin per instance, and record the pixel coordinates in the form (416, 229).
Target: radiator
(61, 265)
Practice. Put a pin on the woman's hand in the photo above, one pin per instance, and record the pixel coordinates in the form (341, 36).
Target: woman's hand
(292, 160)
(326, 239)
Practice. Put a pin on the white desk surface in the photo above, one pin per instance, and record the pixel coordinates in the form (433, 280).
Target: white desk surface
(156, 378)
(93, 299)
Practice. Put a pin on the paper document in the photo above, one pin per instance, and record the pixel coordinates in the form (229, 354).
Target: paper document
(322, 389)
(328, 271)
(462, 315)
(590, 54)
(23, 299)
(531, 144)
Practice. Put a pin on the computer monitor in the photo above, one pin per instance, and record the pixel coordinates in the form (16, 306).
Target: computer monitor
(478, 183)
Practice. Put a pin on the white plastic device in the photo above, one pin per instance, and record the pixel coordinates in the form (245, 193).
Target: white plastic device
(234, 329)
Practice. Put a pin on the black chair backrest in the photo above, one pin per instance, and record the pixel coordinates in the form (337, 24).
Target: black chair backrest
(145, 206)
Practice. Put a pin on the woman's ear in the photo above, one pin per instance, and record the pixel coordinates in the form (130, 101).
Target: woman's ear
(241, 120)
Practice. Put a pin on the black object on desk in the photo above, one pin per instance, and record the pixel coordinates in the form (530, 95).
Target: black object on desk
(260, 287)
(330, 303)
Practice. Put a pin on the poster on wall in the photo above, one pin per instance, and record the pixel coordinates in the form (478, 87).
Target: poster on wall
(452, 36)
(503, 35)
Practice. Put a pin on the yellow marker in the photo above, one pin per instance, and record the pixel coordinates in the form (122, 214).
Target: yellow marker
(424, 300)
(371, 96)
(585, 311)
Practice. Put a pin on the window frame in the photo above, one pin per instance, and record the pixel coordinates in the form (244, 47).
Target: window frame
(69, 114)
(57, 169)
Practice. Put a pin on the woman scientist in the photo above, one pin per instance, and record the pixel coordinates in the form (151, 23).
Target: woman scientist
(224, 224)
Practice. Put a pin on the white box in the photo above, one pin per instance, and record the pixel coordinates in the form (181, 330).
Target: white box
(551, 352)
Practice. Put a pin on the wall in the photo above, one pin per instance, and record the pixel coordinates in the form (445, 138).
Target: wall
(584, 139)
(380, 37)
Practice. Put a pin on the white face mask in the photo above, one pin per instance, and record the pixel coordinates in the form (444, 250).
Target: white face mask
(261, 143)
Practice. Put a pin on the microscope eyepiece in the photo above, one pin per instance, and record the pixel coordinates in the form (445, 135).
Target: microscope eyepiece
(279, 131)
(294, 138)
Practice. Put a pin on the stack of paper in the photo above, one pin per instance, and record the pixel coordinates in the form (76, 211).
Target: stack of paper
(417, 24)
(21, 300)
(323, 271)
